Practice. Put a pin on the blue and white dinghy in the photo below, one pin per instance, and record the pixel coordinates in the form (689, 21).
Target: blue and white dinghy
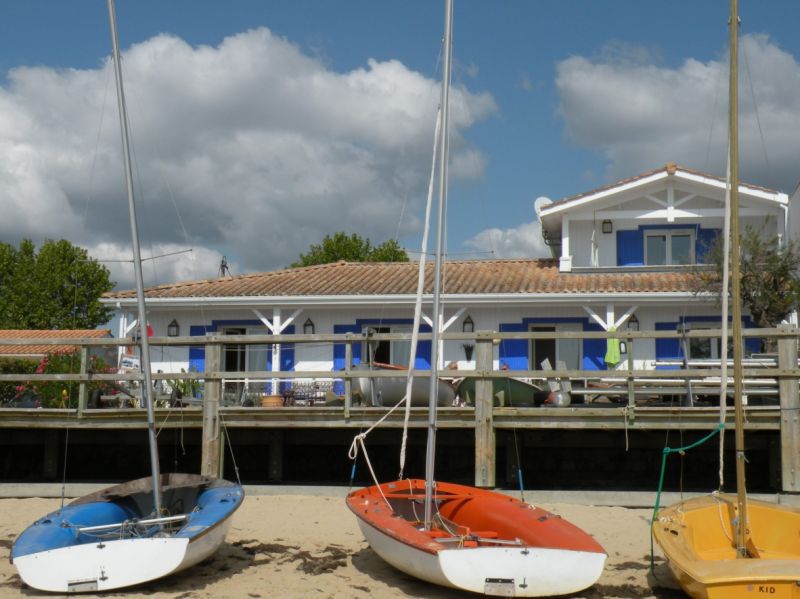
(141, 530)
(108, 540)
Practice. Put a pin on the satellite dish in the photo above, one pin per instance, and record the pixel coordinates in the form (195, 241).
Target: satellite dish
(540, 203)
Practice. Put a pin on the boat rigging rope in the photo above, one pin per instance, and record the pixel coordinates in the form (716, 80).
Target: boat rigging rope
(418, 302)
(64, 472)
(358, 440)
(230, 447)
(665, 452)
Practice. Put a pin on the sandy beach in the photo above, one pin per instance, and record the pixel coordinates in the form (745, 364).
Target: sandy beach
(310, 546)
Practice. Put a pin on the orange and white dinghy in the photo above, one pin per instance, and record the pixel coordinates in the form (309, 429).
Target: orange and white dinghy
(478, 540)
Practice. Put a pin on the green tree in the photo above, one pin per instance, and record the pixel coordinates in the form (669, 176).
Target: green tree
(770, 286)
(58, 287)
(352, 248)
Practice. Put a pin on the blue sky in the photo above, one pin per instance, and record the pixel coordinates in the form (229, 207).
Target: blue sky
(557, 98)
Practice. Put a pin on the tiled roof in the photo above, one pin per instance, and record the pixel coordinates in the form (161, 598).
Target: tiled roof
(38, 350)
(670, 168)
(521, 276)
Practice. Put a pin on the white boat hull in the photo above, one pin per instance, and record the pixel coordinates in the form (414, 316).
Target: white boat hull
(109, 565)
(497, 571)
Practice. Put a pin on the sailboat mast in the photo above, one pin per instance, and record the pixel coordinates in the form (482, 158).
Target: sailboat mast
(742, 533)
(147, 389)
(430, 453)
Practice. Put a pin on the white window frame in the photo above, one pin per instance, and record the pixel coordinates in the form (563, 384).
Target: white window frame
(669, 233)
(392, 328)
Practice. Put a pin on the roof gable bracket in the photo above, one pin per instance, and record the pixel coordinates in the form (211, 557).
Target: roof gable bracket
(276, 326)
(609, 322)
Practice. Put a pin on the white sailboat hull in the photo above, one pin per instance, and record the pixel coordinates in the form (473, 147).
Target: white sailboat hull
(479, 540)
(498, 571)
(109, 565)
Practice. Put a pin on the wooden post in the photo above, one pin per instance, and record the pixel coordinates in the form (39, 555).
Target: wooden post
(275, 473)
(83, 388)
(631, 386)
(50, 462)
(484, 418)
(210, 464)
(790, 405)
(348, 383)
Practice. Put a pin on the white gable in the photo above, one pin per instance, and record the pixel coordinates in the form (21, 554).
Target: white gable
(584, 231)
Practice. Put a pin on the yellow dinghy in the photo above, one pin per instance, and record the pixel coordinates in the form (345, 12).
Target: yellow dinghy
(699, 538)
(729, 546)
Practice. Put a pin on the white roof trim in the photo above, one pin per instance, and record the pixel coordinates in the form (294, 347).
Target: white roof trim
(339, 301)
(779, 197)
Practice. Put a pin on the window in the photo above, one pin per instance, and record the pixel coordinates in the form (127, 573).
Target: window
(669, 247)
(239, 357)
(568, 351)
(707, 348)
(384, 351)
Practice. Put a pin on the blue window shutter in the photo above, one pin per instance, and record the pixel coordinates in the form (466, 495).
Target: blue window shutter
(423, 359)
(630, 248)
(594, 350)
(339, 348)
(197, 353)
(514, 352)
(287, 358)
(668, 349)
(705, 239)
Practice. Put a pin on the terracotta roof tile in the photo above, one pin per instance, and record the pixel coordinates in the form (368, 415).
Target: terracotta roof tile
(38, 350)
(400, 278)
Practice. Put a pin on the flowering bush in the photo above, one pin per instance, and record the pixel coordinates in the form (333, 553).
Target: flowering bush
(10, 391)
(60, 394)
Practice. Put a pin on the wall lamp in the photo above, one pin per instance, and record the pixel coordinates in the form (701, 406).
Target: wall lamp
(468, 325)
(633, 323)
(308, 327)
(607, 226)
(173, 329)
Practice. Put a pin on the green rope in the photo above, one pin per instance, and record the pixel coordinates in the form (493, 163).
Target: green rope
(666, 451)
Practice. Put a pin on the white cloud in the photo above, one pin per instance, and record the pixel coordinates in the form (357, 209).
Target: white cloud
(640, 115)
(259, 148)
(161, 263)
(524, 241)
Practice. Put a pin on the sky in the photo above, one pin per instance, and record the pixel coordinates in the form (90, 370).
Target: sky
(260, 127)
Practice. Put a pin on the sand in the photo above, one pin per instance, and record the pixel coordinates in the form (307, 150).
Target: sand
(310, 546)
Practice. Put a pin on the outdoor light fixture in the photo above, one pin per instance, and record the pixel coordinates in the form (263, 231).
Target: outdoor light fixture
(468, 326)
(308, 327)
(173, 329)
(633, 323)
(607, 226)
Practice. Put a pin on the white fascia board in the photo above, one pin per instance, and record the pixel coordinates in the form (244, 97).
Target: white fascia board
(555, 209)
(547, 211)
(780, 198)
(341, 301)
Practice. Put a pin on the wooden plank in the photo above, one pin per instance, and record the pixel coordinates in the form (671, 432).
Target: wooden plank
(790, 412)
(348, 382)
(83, 389)
(484, 423)
(210, 453)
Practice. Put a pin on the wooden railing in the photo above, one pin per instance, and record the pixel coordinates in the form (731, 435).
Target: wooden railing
(638, 398)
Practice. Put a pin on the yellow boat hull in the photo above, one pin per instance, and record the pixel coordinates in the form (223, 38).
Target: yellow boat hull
(698, 540)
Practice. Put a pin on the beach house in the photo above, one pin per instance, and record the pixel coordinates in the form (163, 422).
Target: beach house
(622, 257)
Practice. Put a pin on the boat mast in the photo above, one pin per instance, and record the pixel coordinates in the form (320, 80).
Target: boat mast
(742, 532)
(147, 389)
(430, 454)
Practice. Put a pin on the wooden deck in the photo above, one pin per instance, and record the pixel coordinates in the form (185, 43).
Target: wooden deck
(632, 400)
